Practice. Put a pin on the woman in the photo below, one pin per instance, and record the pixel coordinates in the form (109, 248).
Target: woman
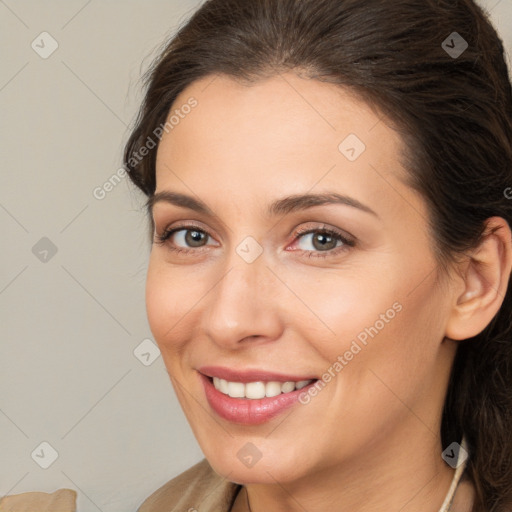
(328, 185)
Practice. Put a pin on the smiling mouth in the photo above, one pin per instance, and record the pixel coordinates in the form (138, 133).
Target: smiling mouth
(258, 399)
(257, 390)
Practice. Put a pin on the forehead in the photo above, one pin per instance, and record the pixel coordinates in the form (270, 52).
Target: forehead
(283, 134)
(272, 114)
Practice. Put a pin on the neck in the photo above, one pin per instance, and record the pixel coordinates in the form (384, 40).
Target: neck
(407, 476)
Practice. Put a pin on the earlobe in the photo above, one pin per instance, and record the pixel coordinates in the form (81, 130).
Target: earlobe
(485, 281)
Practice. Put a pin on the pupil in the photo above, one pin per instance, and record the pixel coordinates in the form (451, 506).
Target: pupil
(323, 240)
(194, 238)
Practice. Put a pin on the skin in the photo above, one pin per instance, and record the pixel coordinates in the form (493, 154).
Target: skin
(369, 441)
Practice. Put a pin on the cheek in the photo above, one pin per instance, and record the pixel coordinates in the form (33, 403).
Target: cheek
(400, 346)
(340, 305)
(380, 316)
(170, 295)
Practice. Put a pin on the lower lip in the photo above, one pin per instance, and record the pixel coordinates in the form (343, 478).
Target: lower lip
(246, 411)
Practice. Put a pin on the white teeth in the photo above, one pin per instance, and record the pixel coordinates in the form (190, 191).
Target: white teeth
(273, 389)
(287, 387)
(236, 389)
(223, 386)
(254, 390)
(257, 390)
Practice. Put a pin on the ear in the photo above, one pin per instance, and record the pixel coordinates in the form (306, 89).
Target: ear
(484, 280)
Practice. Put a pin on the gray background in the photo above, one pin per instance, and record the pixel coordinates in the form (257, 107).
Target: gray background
(72, 319)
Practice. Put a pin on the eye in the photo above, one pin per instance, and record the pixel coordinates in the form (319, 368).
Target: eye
(190, 238)
(315, 242)
(322, 240)
(183, 238)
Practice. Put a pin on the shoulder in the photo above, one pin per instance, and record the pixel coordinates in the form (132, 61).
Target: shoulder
(62, 500)
(198, 488)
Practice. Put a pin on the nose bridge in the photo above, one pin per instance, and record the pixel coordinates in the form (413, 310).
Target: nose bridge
(242, 303)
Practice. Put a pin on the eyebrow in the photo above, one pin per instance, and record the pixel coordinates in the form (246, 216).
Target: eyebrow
(283, 206)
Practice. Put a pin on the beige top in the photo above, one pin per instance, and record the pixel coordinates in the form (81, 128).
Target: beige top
(63, 500)
(197, 489)
(200, 489)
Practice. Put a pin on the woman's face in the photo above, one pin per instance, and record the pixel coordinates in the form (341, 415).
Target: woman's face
(297, 253)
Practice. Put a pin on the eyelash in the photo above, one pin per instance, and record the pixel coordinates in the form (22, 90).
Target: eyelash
(347, 244)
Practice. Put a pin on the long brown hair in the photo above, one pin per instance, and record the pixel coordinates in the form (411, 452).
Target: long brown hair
(451, 104)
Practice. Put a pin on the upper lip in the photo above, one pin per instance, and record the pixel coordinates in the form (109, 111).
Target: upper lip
(250, 375)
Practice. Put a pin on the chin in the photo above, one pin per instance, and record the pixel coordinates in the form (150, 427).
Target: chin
(239, 468)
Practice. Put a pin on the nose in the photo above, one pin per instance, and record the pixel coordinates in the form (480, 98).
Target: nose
(243, 306)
